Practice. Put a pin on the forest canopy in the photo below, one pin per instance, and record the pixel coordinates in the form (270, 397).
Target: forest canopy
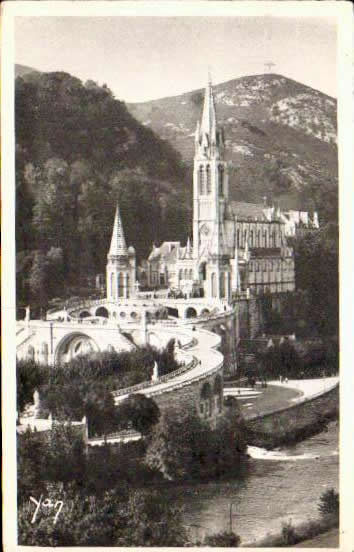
(78, 151)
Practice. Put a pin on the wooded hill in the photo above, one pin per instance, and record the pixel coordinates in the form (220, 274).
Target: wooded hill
(78, 151)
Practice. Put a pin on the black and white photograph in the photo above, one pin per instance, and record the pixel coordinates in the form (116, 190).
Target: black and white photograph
(173, 353)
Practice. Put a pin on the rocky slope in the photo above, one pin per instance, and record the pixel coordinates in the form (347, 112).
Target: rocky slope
(280, 134)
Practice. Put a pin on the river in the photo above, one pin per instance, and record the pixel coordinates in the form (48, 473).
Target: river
(280, 485)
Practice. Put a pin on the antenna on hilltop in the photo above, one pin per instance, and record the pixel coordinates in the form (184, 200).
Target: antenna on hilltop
(268, 66)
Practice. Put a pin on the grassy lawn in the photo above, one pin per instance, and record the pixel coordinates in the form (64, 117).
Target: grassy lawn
(272, 398)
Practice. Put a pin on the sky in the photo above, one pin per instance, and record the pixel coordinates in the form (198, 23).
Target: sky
(143, 58)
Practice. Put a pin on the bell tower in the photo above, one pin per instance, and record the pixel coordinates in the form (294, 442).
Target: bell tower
(210, 196)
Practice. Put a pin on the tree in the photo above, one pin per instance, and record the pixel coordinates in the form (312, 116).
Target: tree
(223, 539)
(136, 519)
(185, 447)
(29, 377)
(328, 505)
(141, 411)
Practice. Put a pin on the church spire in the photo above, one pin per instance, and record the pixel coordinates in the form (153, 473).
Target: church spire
(209, 139)
(118, 245)
(208, 124)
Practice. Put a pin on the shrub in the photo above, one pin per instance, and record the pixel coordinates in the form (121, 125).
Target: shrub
(224, 539)
(288, 533)
(328, 505)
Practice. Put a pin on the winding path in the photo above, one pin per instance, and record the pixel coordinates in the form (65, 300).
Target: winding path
(208, 360)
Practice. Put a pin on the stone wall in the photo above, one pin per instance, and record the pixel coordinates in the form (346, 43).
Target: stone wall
(250, 317)
(294, 423)
(188, 398)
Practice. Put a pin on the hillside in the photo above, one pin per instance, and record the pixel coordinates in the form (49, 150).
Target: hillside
(280, 135)
(78, 151)
(21, 70)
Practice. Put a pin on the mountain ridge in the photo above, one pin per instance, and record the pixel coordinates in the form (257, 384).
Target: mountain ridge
(272, 124)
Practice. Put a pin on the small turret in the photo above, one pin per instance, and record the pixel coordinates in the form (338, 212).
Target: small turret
(118, 245)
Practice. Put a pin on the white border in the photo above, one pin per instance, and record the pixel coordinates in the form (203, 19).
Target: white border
(343, 12)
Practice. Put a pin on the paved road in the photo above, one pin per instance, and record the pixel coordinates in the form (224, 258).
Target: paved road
(208, 359)
(308, 387)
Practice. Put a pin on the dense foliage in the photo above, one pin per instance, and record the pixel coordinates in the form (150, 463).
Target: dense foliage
(313, 310)
(102, 503)
(224, 539)
(185, 447)
(84, 387)
(106, 491)
(29, 376)
(328, 505)
(78, 150)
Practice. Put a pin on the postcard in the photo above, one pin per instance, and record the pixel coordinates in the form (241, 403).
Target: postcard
(177, 274)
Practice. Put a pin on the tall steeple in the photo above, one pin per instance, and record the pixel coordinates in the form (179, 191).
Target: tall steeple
(208, 138)
(208, 124)
(118, 244)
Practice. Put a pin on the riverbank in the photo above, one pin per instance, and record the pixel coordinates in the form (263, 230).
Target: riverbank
(302, 535)
(275, 487)
(305, 416)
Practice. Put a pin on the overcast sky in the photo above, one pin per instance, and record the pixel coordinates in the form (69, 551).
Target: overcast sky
(142, 58)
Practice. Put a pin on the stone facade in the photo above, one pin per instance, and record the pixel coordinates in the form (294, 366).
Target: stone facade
(236, 245)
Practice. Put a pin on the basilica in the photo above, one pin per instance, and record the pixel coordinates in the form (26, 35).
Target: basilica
(237, 246)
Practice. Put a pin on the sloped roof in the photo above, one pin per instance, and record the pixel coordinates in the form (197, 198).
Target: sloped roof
(247, 211)
(118, 245)
(165, 252)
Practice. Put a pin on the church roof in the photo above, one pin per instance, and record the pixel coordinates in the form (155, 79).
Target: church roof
(118, 244)
(247, 211)
(167, 252)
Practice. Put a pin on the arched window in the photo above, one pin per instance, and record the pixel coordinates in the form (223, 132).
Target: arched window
(251, 238)
(185, 274)
(113, 295)
(191, 274)
(120, 284)
(45, 352)
(213, 285)
(180, 274)
(221, 179)
(238, 237)
(201, 180)
(265, 239)
(222, 285)
(128, 284)
(208, 179)
(206, 407)
(259, 238)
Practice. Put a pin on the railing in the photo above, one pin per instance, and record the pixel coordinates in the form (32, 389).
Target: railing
(128, 434)
(150, 383)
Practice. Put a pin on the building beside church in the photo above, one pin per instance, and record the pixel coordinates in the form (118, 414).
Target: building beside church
(236, 245)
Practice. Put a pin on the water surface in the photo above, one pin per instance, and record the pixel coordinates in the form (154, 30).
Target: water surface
(280, 485)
